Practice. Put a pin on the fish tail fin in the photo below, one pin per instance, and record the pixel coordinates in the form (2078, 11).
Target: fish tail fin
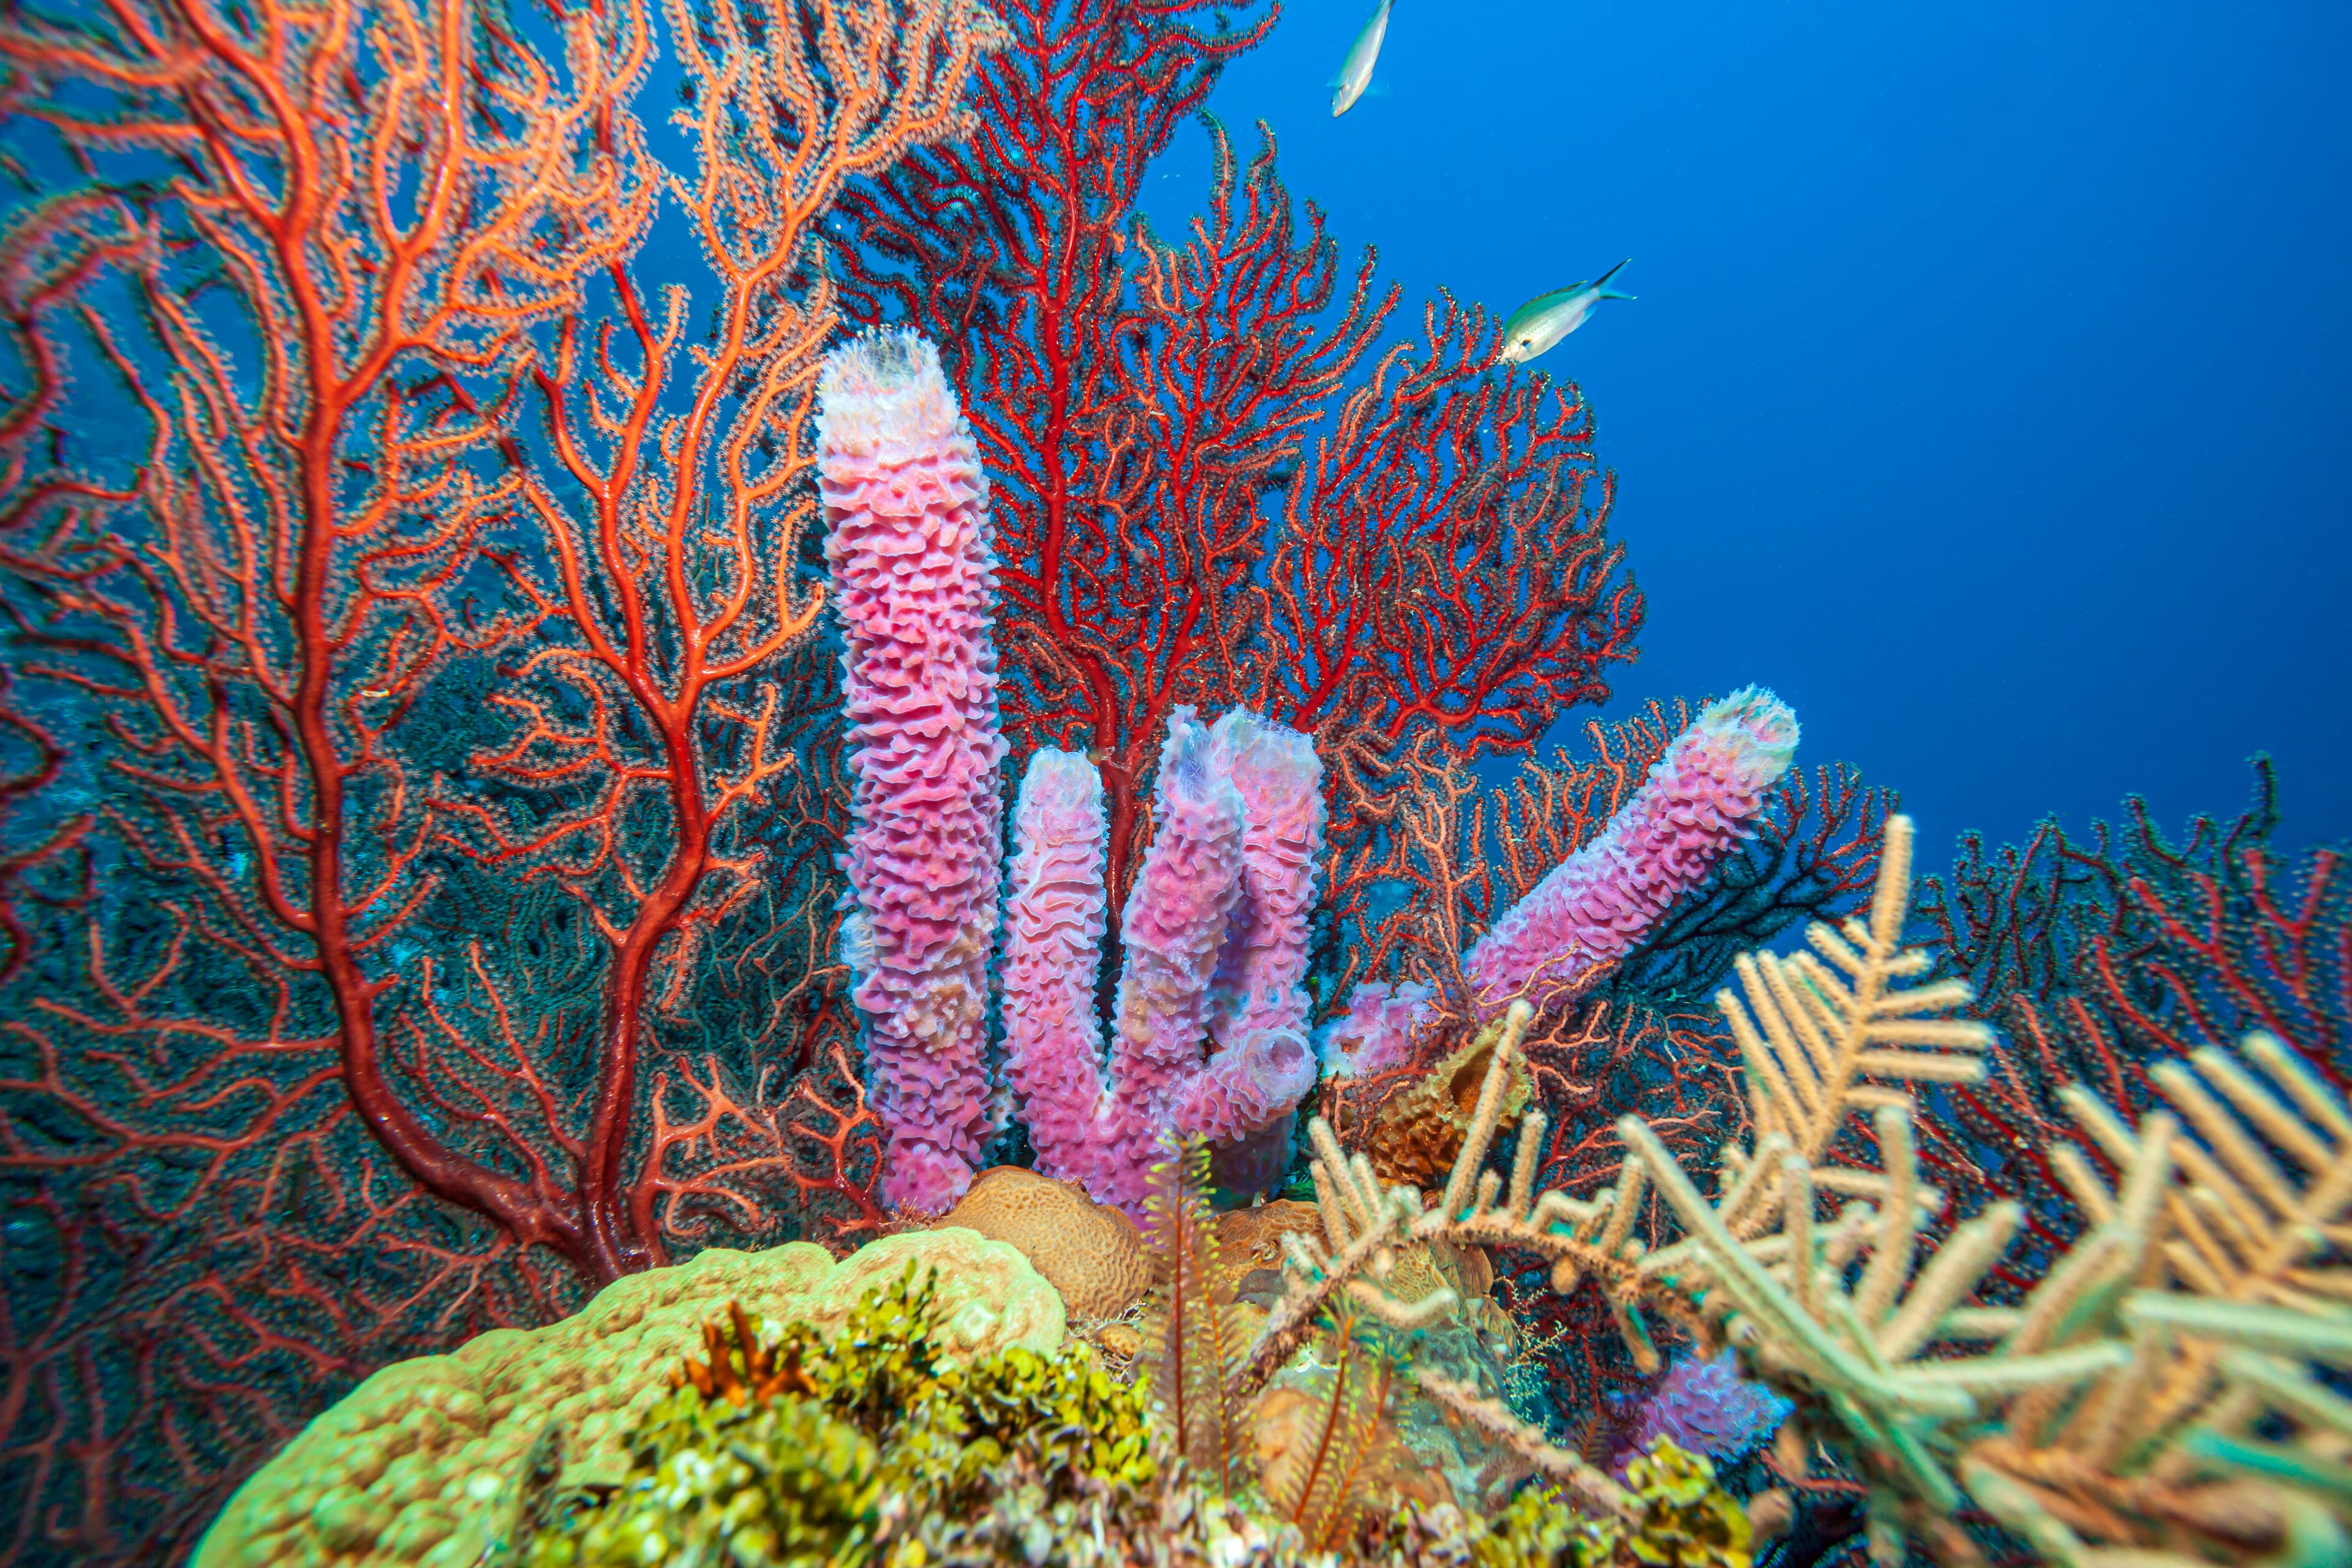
(1613, 294)
(1601, 284)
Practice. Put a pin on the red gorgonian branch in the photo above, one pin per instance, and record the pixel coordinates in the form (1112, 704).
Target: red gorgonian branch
(413, 559)
(1219, 476)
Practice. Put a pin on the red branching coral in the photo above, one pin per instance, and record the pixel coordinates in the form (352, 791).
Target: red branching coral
(421, 597)
(2101, 957)
(1210, 486)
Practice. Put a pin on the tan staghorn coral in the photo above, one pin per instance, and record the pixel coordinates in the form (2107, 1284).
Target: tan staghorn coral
(2152, 1400)
(2214, 1441)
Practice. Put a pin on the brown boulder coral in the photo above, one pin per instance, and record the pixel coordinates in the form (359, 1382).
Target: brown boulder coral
(1092, 1254)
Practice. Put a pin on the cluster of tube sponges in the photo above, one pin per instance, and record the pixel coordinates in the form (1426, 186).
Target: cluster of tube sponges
(1210, 1034)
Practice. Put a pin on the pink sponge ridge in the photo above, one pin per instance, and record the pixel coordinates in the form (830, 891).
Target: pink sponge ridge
(914, 574)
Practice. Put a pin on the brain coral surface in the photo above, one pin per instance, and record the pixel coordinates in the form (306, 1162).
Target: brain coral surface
(1092, 1253)
(416, 1466)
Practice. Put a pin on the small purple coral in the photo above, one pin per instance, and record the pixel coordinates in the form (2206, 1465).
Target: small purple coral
(1705, 1406)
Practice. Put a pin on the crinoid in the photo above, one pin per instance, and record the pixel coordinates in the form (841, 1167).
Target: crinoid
(742, 1370)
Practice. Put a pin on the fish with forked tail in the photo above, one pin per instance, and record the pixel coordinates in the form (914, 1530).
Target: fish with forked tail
(1356, 70)
(1536, 327)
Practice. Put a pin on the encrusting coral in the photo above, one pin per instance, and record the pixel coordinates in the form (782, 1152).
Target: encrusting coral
(879, 1412)
(410, 1468)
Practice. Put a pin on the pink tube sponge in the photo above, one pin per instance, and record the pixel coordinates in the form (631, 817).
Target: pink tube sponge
(1261, 1064)
(1699, 800)
(1173, 929)
(914, 572)
(1054, 924)
(1215, 933)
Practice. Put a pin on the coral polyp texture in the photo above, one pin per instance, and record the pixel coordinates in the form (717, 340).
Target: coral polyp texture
(1703, 1405)
(1209, 1032)
(914, 572)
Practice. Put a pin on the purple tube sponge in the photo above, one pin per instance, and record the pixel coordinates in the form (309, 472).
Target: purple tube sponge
(1705, 1406)
(1261, 1063)
(914, 572)
(1210, 1034)
(1054, 924)
(1699, 800)
(1173, 930)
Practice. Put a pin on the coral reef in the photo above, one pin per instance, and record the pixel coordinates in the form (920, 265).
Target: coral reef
(401, 1469)
(413, 570)
(441, 879)
(914, 586)
(1092, 1254)
(2107, 955)
(2155, 1392)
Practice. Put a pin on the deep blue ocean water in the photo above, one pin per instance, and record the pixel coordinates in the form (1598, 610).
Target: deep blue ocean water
(1987, 394)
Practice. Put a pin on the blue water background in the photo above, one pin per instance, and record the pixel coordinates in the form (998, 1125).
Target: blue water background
(1987, 394)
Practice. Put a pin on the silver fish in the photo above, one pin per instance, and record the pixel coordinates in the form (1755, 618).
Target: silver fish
(1536, 327)
(1356, 70)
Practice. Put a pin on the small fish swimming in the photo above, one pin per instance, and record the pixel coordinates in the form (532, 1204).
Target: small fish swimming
(1537, 326)
(1356, 70)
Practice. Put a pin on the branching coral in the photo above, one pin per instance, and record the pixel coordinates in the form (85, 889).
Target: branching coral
(2149, 1393)
(1222, 476)
(2105, 954)
(423, 596)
